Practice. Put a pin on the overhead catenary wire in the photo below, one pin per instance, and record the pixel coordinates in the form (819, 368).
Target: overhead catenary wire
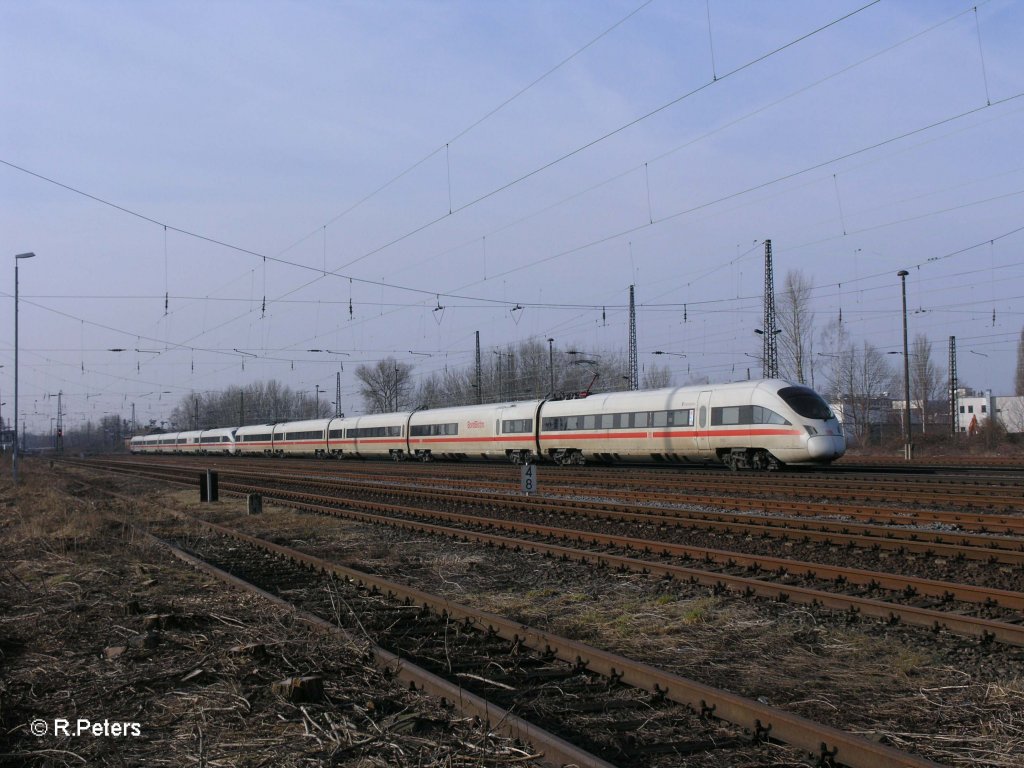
(471, 203)
(397, 304)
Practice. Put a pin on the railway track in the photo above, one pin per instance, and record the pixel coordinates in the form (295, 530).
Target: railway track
(906, 499)
(982, 612)
(619, 711)
(904, 535)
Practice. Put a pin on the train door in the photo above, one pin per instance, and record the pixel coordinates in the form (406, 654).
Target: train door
(703, 420)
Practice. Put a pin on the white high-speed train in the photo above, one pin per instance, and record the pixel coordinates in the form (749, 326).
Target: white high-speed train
(752, 424)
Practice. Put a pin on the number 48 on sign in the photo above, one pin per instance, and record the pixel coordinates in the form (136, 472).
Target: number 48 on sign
(528, 479)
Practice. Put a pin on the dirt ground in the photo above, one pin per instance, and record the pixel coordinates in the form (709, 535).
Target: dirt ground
(75, 594)
(113, 653)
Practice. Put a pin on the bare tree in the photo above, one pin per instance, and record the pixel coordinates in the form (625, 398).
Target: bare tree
(927, 382)
(258, 403)
(386, 387)
(796, 321)
(656, 377)
(450, 388)
(859, 378)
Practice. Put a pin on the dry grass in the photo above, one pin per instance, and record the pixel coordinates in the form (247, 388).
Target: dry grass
(885, 684)
(72, 584)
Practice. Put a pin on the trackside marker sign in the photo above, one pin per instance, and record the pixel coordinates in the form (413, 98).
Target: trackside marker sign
(528, 479)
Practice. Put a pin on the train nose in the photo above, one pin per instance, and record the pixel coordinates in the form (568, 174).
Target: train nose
(826, 447)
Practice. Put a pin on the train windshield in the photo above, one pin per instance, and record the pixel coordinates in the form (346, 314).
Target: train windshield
(806, 402)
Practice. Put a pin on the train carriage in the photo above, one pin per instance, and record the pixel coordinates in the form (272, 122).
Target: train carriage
(301, 437)
(759, 424)
(254, 440)
(217, 441)
(495, 431)
(621, 426)
(187, 442)
(146, 443)
(378, 435)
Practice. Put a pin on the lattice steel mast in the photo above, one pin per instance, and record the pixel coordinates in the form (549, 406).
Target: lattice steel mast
(770, 352)
(479, 373)
(634, 374)
(954, 385)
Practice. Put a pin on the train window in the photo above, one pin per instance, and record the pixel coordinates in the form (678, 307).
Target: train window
(806, 402)
(767, 416)
(660, 419)
(516, 426)
(680, 418)
(590, 421)
(336, 434)
(359, 432)
(310, 435)
(726, 416)
(422, 430)
(555, 424)
(702, 416)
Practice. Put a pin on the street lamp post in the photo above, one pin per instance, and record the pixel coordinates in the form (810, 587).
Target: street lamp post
(17, 258)
(1, 423)
(551, 366)
(908, 446)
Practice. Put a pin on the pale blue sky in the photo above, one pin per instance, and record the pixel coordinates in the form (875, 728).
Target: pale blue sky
(259, 124)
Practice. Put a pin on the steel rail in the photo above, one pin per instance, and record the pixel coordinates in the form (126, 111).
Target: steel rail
(977, 547)
(815, 738)
(556, 751)
(985, 629)
(917, 586)
(792, 507)
(975, 521)
(969, 626)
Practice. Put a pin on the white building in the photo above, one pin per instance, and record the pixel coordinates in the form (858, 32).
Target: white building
(975, 409)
